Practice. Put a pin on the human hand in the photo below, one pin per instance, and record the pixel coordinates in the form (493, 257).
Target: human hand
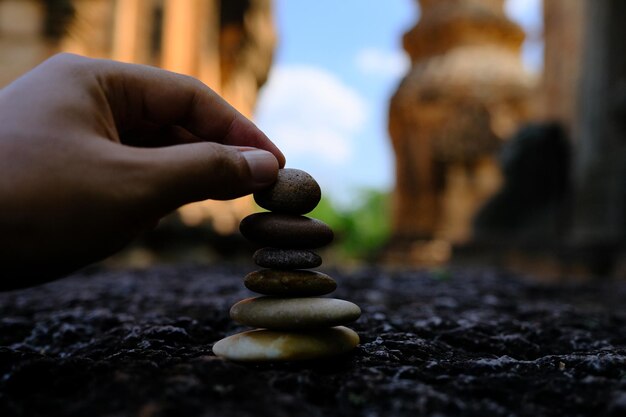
(92, 152)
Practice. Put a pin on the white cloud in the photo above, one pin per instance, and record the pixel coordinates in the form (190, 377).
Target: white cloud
(308, 112)
(373, 61)
(527, 13)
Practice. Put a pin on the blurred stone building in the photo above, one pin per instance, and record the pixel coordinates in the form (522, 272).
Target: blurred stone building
(563, 197)
(465, 93)
(228, 44)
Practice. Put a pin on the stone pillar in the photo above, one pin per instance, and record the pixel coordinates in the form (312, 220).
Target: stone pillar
(600, 165)
(180, 35)
(130, 31)
(466, 91)
(209, 45)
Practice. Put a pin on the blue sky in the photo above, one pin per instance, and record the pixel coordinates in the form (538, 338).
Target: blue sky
(336, 66)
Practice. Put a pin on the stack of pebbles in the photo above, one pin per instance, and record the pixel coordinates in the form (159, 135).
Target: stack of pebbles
(293, 322)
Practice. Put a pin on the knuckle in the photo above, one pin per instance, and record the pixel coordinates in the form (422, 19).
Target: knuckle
(71, 65)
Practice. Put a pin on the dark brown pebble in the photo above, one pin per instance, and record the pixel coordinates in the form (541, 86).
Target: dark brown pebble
(286, 231)
(294, 192)
(294, 283)
(286, 258)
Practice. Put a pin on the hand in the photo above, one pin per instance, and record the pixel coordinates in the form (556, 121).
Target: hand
(92, 152)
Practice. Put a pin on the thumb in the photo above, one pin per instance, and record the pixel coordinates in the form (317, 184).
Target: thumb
(182, 174)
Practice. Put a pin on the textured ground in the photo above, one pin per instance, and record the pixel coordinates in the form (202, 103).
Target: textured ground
(467, 343)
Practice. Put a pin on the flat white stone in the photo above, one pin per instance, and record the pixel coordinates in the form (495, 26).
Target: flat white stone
(294, 313)
(271, 345)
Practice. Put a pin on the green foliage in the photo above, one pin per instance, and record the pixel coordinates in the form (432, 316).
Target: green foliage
(360, 229)
(441, 274)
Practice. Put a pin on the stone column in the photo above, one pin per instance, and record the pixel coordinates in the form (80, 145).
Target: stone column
(600, 166)
(129, 31)
(181, 26)
(209, 45)
(466, 91)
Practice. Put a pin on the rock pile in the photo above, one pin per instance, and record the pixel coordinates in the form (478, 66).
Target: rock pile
(293, 322)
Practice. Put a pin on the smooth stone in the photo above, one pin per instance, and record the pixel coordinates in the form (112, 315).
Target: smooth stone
(286, 231)
(294, 313)
(289, 283)
(294, 192)
(286, 258)
(270, 345)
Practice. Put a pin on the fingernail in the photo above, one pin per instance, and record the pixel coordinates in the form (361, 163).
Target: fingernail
(263, 165)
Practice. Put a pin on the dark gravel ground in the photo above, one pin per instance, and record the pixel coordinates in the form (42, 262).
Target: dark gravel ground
(461, 343)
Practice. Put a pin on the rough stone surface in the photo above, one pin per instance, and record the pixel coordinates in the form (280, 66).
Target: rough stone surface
(286, 258)
(294, 192)
(294, 313)
(286, 231)
(446, 343)
(289, 283)
(271, 345)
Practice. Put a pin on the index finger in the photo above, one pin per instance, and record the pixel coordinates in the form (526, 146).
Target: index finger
(139, 93)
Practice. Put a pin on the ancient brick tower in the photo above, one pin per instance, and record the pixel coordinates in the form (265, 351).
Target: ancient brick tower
(465, 93)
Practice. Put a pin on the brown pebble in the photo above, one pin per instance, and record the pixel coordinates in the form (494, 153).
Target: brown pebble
(293, 283)
(294, 192)
(286, 231)
(286, 258)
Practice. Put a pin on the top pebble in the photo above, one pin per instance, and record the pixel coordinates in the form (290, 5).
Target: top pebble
(294, 192)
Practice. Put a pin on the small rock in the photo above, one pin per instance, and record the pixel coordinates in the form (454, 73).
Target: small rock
(272, 345)
(290, 283)
(294, 313)
(286, 258)
(294, 192)
(286, 231)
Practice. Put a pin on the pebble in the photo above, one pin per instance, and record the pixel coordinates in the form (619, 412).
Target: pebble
(294, 192)
(289, 283)
(294, 313)
(286, 231)
(272, 345)
(286, 258)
